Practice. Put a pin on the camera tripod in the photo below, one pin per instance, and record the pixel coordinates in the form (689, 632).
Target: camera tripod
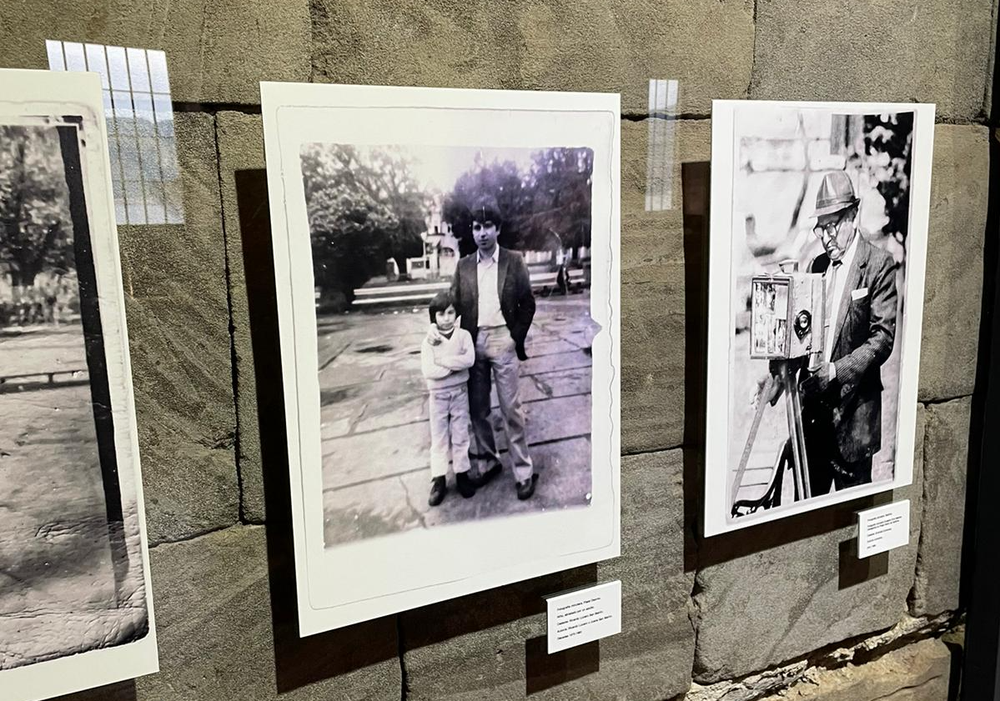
(793, 450)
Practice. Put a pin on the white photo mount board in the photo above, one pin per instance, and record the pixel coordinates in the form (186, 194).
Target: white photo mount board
(722, 304)
(358, 581)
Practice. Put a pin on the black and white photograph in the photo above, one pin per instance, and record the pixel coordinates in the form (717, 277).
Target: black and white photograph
(460, 263)
(819, 235)
(454, 332)
(75, 607)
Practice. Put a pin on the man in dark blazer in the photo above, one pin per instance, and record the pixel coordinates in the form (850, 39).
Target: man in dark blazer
(842, 401)
(492, 292)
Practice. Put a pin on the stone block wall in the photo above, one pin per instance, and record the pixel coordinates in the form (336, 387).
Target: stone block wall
(776, 610)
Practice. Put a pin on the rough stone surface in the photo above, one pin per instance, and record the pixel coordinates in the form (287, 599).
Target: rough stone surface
(917, 672)
(946, 451)
(651, 658)
(175, 295)
(214, 624)
(560, 45)
(653, 281)
(216, 51)
(953, 288)
(909, 51)
(241, 147)
(774, 592)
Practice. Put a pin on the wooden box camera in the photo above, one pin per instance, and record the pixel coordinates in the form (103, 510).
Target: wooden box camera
(786, 316)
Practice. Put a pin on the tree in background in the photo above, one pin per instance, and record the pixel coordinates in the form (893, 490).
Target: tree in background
(501, 181)
(888, 144)
(545, 208)
(363, 209)
(34, 205)
(560, 182)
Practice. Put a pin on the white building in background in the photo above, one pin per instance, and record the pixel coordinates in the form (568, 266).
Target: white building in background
(440, 248)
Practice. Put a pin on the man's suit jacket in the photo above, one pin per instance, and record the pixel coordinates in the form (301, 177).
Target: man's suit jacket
(862, 342)
(517, 302)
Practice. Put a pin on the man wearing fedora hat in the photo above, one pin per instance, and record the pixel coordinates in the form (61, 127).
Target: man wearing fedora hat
(842, 401)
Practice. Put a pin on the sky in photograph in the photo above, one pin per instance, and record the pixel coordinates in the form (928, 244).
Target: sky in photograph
(438, 167)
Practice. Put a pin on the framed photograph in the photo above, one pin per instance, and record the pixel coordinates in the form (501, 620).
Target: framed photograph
(75, 604)
(447, 275)
(816, 287)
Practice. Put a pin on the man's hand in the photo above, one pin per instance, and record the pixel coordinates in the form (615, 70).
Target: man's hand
(769, 394)
(434, 336)
(818, 382)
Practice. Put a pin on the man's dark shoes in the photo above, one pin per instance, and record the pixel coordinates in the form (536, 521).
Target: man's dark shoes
(438, 490)
(526, 488)
(464, 483)
(483, 479)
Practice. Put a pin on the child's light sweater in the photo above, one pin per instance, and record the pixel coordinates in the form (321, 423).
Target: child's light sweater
(447, 364)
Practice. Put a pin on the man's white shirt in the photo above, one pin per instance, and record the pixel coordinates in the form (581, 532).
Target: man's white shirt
(489, 298)
(840, 280)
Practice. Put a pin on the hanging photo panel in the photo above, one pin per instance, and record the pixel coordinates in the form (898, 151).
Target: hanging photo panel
(817, 253)
(75, 604)
(447, 283)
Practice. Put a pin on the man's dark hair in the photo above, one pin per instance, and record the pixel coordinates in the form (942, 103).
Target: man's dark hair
(486, 209)
(442, 300)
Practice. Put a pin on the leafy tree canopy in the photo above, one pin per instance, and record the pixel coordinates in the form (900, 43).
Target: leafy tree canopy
(35, 226)
(364, 207)
(544, 208)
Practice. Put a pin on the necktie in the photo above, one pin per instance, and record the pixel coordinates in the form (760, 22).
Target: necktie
(830, 310)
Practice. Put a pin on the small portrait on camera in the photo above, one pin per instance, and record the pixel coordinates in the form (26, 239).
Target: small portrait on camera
(818, 243)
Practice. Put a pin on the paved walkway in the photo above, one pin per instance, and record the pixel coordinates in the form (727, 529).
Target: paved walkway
(375, 433)
(55, 556)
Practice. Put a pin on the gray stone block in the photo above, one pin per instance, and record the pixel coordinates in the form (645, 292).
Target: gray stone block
(241, 147)
(775, 592)
(953, 288)
(175, 290)
(946, 451)
(558, 45)
(475, 647)
(216, 51)
(909, 51)
(918, 672)
(653, 280)
(217, 641)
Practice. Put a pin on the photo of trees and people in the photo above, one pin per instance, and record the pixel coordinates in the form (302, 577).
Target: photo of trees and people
(389, 225)
(68, 564)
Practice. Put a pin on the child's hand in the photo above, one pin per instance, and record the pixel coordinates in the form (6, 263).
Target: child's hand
(434, 336)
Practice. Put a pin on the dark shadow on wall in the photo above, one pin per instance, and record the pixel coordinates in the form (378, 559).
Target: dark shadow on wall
(122, 691)
(298, 661)
(303, 661)
(454, 618)
(544, 671)
(696, 189)
(979, 676)
(699, 551)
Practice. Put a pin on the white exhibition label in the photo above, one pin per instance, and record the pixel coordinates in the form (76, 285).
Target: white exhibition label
(883, 528)
(584, 615)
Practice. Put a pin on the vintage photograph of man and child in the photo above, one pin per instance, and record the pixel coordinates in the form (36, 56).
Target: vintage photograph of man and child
(454, 332)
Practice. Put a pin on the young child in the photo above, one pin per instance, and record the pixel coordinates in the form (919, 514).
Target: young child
(446, 369)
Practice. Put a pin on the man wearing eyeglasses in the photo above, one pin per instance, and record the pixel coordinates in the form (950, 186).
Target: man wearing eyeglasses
(842, 401)
(492, 292)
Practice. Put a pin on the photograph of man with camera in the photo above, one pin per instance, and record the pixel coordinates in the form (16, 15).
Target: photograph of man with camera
(818, 273)
(841, 394)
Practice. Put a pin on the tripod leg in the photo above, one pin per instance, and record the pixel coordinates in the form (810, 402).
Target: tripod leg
(754, 428)
(801, 438)
(791, 388)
